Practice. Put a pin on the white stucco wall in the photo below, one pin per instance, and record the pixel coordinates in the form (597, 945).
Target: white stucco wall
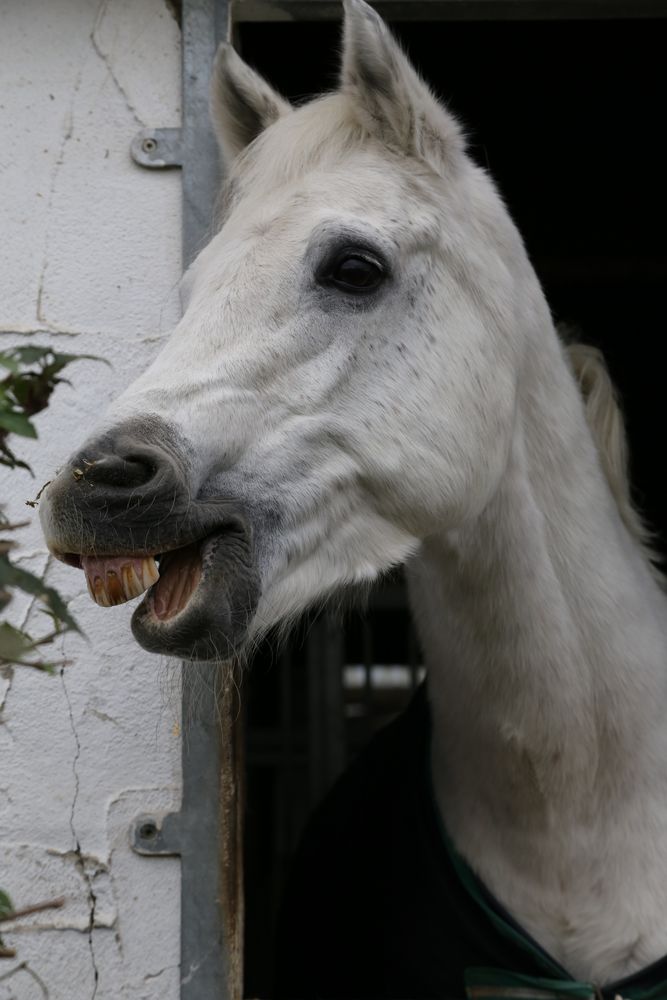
(89, 262)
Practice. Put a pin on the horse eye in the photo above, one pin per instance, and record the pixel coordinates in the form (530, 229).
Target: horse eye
(354, 273)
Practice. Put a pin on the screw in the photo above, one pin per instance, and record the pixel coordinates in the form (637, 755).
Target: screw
(149, 145)
(148, 831)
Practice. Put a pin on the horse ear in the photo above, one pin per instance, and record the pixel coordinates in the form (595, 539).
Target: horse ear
(242, 104)
(391, 100)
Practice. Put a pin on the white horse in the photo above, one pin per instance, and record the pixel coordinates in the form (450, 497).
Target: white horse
(367, 374)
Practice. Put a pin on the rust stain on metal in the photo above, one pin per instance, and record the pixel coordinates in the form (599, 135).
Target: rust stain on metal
(232, 800)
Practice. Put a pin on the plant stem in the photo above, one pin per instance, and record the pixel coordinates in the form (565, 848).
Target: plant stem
(50, 904)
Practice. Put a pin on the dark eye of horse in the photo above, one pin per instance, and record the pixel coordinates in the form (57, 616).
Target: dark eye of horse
(354, 273)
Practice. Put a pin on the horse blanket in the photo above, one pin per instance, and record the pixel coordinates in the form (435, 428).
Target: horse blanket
(381, 905)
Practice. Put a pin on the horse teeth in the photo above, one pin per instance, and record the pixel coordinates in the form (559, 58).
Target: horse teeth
(115, 580)
(132, 584)
(149, 572)
(99, 593)
(114, 588)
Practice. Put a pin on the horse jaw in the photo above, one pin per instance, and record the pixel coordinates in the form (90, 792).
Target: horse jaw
(330, 567)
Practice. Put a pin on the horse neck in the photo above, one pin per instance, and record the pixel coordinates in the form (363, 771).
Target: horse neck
(542, 628)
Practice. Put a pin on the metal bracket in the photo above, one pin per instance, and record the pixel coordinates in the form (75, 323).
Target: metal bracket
(206, 833)
(158, 148)
(153, 836)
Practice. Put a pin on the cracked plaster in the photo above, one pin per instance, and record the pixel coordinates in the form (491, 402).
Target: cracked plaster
(90, 257)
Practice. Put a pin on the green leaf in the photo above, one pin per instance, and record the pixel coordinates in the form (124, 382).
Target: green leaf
(14, 644)
(28, 392)
(30, 354)
(14, 576)
(17, 423)
(8, 362)
(6, 905)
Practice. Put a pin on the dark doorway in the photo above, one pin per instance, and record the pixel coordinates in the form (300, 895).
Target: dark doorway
(567, 116)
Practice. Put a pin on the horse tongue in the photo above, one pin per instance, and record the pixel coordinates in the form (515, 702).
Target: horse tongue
(115, 579)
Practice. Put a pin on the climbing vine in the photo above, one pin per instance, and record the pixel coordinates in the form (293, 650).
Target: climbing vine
(28, 376)
(31, 374)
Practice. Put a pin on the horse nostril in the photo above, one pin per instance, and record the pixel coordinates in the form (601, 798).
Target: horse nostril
(124, 471)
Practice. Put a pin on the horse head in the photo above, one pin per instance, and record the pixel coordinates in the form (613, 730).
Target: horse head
(342, 382)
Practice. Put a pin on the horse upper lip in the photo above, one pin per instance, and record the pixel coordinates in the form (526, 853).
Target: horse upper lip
(74, 558)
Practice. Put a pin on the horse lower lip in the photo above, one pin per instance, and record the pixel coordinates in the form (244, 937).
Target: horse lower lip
(208, 620)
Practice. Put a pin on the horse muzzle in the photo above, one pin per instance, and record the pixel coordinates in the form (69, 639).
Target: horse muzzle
(123, 512)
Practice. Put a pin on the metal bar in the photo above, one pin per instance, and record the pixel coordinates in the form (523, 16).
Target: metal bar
(367, 648)
(413, 656)
(204, 833)
(326, 712)
(211, 849)
(285, 776)
(157, 148)
(204, 959)
(207, 831)
(231, 802)
(453, 10)
(205, 23)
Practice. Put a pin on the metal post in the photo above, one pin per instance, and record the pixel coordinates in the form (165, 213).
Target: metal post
(205, 24)
(326, 713)
(207, 831)
(212, 890)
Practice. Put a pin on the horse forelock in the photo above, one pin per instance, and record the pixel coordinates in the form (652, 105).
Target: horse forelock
(318, 133)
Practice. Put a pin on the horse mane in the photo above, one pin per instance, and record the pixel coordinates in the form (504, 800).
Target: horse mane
(605, 420)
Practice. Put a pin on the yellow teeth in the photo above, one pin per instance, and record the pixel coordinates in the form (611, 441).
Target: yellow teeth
(132, 585)
(115, 580)
(97, 591)
(150, 572)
